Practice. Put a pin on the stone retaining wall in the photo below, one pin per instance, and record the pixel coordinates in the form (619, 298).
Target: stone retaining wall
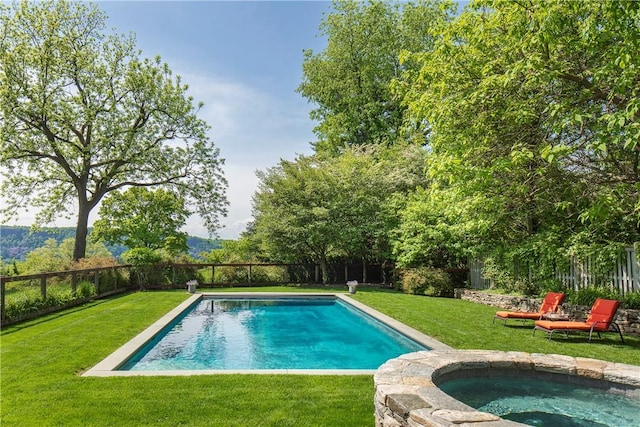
(627, 319)
(407, 395)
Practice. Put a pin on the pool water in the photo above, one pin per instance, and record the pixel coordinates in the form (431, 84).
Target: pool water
(545, 403)
(282, 333)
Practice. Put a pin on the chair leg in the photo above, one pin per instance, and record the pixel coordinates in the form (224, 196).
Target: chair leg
(504, 320)
(617, 329)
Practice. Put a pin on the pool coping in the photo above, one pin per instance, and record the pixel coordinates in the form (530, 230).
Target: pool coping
(109, 365)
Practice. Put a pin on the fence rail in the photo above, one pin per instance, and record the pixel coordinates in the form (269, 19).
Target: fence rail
(44, 282)
(170, 275)
(624, 277)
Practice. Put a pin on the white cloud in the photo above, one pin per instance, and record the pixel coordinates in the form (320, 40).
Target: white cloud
(254, 129)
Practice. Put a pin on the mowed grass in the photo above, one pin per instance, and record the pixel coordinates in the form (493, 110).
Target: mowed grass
(467, 325)
(41, 362)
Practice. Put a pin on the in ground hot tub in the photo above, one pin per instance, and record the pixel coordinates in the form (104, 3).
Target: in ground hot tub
(410, 390)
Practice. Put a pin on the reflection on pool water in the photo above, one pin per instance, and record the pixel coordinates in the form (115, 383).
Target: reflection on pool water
(545, 403)
(280, 333)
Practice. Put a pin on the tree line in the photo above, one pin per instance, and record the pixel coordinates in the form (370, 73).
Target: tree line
(506, 129)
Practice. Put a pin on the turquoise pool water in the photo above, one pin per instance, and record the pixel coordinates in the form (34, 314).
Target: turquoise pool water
(545, 403)
(281, 333)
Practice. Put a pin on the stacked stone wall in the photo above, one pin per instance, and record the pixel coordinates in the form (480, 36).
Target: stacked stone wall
(627, 319)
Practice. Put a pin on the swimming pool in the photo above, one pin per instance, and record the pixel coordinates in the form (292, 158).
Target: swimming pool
(300, 333)
(545, 402)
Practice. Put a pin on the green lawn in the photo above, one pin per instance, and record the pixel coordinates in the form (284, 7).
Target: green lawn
(41, 361)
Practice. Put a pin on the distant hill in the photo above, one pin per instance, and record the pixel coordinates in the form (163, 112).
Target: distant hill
(17, 242)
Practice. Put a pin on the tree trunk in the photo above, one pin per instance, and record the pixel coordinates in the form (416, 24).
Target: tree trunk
(325, 270)
(82, 227)
(364, 270)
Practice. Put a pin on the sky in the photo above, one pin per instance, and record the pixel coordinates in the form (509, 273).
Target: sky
(243, 60)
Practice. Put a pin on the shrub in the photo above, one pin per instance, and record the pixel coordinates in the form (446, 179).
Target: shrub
(425, 281)
(526, 287)
(268, 274)
(499, 277)
(553, 285)
(109, 279)
(144, 262)
(179, 276)
(29, 300)
(587, 296)
(231, 275)
(631, 301)
(85, 289)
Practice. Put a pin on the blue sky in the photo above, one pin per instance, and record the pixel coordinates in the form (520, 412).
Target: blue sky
(243, 59)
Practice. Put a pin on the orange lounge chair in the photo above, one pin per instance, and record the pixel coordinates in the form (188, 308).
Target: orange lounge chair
(549, 305)
(600, 320)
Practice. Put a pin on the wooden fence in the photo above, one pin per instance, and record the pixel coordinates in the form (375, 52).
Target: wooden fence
(169, 276)
(625, 276)
(72, 277)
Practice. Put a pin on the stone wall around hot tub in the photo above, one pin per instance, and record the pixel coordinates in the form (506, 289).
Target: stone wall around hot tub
(407, 394)
(627, 319)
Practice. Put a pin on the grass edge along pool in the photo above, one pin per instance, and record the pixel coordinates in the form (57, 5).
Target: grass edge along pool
(110, 365)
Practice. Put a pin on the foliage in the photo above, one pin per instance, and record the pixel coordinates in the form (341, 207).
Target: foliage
(631, 301)
(84, 115)
(85, 289)
(532, 134)
(241, 250)
(587, 296)
(140, 217)
(109, 279)
(260, 275)
(317, 208)
(29, 299)
(427, 281)
(144, 262)
(59, 257)
(181, 275)
(427, 233)
(350, 80)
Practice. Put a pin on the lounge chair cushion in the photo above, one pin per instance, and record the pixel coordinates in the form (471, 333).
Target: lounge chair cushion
(603, 310)
(518, 315)
(568, 325)
(549, 305)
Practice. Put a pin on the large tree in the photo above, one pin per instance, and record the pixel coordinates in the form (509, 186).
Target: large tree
(83, 115)
(320, 207)
(350, 80)
(534, 118)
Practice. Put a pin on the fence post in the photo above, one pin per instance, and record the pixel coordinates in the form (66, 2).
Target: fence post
(2, 292)
(213, 274)
(249, 274)
(74, 282)
(96, 281)
(635, 267)
(43, 287)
